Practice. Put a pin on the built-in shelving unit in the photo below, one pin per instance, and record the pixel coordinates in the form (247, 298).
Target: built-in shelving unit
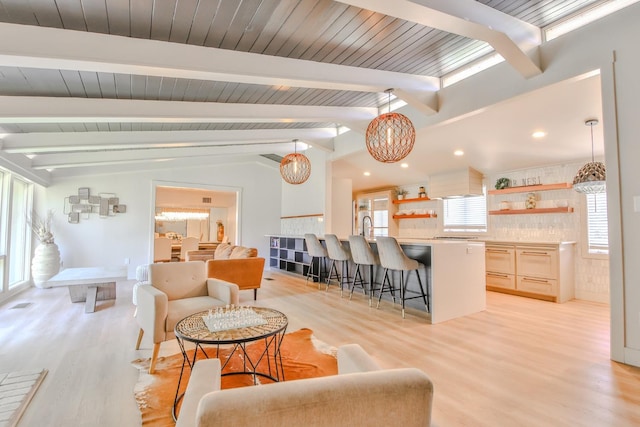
(289, 254)
(530, 188)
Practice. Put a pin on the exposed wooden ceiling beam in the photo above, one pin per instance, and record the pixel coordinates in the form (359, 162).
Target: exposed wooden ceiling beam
(41, 142)
(106, 158)
(19, 109)
(51, 48)
(509, 36)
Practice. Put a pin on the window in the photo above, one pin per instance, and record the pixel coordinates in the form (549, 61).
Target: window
(466, 214)
(15, 235)
(597, 225)
(19, 236)
(374, 207)
(381, 217)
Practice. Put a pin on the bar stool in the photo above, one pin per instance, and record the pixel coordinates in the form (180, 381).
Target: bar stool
(362, 255)
(337, 253)
(316, 251)
(392, 257)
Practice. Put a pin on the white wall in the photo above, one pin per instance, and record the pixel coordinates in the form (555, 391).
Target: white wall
(303, 205)
(341, 207)
(108, 241)
(307, 198)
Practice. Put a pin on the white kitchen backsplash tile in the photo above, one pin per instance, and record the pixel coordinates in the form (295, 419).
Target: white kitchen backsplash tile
(300, 226)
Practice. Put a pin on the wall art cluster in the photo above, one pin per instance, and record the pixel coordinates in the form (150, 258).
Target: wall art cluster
(83, 204)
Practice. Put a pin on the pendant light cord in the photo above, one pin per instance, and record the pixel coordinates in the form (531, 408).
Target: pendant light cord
(592, 157)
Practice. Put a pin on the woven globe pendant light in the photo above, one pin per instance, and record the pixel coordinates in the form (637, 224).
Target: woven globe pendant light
(591, 178)
(295, 168)
(390, 136)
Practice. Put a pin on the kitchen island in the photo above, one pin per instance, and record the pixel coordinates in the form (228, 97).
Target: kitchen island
(455, 270)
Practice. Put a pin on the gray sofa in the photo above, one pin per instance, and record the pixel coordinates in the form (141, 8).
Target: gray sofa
(361, 394)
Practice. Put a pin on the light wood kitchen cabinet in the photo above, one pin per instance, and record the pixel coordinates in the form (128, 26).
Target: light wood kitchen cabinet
(500, 265)
(538, 270)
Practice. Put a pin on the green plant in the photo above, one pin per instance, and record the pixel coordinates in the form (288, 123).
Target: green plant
(401, 191)
(502, 183)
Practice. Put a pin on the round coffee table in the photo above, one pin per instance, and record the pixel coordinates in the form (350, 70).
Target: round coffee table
(193, 329)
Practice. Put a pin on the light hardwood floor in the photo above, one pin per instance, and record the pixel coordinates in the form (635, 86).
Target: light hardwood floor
(522, 362)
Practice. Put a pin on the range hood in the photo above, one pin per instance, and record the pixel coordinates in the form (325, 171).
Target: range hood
(459, 183)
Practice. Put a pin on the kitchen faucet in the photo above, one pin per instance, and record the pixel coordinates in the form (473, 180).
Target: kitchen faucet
(370, 224)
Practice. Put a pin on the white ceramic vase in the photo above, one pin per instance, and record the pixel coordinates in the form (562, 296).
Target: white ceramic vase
(45, 263)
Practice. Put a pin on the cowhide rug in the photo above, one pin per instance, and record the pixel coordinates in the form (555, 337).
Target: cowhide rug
(303, 356)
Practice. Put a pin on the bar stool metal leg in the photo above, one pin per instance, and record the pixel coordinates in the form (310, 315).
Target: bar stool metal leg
(388, 284)
(358, 280)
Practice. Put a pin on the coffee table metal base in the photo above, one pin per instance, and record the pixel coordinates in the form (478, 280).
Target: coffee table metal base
(267, 364)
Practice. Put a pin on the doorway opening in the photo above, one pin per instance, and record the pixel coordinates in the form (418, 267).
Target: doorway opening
(196, 211)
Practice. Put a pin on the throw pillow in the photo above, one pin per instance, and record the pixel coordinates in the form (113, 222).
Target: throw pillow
(242, 252)
(223, 251)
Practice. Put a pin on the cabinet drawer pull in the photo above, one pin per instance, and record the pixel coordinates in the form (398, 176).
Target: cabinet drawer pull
(498, 251)
(528, 279)
(498, 275)
(535, 253)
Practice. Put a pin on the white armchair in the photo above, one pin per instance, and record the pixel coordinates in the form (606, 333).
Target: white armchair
(359, 395)
(176, 290)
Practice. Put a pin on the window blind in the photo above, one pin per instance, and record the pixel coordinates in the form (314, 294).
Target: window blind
(465, 214)
(597, 223)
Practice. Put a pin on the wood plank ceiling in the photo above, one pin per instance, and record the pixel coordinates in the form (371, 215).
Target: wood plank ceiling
(45, 68)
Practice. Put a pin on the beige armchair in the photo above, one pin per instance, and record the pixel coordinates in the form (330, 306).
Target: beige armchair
(177, 290)
(361, 394)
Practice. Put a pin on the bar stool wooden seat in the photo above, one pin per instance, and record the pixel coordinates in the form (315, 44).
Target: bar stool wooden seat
(318, 255)
(363, 255)
(393, 258)
(337, 253)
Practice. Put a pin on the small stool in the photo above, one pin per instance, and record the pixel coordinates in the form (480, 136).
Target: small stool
(317, 252)
(337, 253)
(362, 255)
(392, 257)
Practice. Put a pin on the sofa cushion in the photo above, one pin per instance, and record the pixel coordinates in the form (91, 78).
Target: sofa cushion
(223, 251)
(243, 252)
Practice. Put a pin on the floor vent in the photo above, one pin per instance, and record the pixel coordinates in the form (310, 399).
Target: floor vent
(22, 305)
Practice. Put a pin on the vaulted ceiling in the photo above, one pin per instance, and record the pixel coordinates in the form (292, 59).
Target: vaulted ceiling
(107, 85)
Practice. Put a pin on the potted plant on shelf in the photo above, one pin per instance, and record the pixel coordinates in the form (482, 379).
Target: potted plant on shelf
(46, 260)
(401, 193)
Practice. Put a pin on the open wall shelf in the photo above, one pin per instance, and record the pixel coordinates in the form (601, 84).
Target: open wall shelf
(530, 188)
(417, 199)
(414, 216)
(532, 211)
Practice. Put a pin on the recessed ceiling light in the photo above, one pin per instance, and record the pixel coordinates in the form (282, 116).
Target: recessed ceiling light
(539, 134)
(458, 153)
(404, 165)
(367, 174)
